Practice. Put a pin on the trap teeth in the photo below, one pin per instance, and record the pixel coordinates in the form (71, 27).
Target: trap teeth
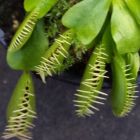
(89, 94)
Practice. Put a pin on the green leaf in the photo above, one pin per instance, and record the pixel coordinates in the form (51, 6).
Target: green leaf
(134, 7)
(30, 54)
(42, 6)
(87, 18)
(125, 30)
(29, 5)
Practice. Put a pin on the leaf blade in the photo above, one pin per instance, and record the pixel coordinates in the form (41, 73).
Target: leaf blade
(125, 31)
(86, 18)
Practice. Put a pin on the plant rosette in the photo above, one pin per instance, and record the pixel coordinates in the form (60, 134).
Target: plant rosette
(109, 28)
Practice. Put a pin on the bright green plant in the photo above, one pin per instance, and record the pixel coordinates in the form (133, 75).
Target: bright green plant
(111, 28)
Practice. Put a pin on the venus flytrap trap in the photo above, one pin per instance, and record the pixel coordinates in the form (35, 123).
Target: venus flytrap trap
(54, 57)
(111, 28)
(89, 93)
(36, 11)
(37, 42)
(123, 91)
(24, 32)
(21, 109)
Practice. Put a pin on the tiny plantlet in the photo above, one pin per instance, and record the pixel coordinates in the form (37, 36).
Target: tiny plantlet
(108, 29)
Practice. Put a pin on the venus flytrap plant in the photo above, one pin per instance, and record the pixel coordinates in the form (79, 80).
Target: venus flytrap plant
(122, 37)
(111, 26)
(21, 110)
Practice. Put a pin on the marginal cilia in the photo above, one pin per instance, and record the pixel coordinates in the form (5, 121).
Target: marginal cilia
(123, 90)
(27, 26)
(54, 57)
(89, 94)
(21, 110)
(24, 32)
